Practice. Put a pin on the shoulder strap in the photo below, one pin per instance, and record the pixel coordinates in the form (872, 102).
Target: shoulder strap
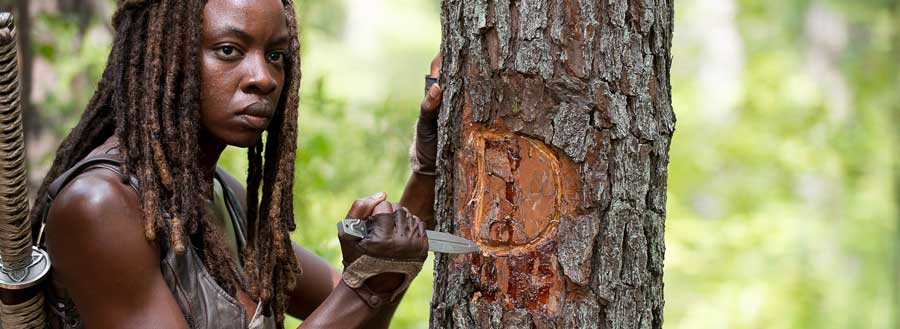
(235, 209)
(106, 161)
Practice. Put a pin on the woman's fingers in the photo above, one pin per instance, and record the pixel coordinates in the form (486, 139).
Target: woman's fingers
(436, 65)
(418, 233)
(394, 232)
(432, 102)
(362, 208)
(420, 226)
(401, 222)
(384, 207)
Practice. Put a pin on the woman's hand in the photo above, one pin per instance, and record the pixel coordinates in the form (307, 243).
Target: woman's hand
(361, 209)
(425, 148)
(395, 233)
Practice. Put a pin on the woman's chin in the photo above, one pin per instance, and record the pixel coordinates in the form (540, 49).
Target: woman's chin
(246, 143)
(243, 140)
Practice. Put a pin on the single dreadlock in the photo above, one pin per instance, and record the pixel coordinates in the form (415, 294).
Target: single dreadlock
(148, 97)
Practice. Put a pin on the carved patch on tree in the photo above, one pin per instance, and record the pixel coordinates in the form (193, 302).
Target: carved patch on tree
(555, 131)
(514, 191)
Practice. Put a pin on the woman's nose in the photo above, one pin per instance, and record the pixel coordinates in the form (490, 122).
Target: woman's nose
(260, 77)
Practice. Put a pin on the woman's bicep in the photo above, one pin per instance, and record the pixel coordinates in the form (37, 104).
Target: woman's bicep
(96, 240)
(316, 283)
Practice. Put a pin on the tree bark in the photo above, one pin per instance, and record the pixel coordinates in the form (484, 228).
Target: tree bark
(553, 154)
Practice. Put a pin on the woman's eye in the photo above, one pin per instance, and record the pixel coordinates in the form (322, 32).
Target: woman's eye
(276, 57)
(227, 52)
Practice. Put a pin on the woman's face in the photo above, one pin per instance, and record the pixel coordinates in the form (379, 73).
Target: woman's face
(244, 51)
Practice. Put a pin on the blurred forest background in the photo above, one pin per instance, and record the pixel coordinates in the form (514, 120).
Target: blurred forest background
(784, 174)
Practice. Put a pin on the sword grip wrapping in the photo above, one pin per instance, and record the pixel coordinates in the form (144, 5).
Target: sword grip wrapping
(21, 266)
(15, 229)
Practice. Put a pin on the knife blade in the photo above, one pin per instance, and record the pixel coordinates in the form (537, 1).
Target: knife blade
(437, 241)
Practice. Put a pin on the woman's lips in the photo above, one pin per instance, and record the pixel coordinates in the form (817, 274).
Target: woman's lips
(255, 122)
(257, 115)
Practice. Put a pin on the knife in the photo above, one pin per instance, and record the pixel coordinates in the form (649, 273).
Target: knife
(437, 241)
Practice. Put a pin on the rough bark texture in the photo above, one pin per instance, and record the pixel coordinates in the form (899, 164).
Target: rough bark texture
(555, 133)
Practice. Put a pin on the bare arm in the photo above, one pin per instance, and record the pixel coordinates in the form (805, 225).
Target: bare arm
(318, 281)
(96, 239)
(418, 197)
(341, 307)
(419, 194)
(322, 299)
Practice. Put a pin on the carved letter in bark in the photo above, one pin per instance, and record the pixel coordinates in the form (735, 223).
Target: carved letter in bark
(555, 132)
(514, 191)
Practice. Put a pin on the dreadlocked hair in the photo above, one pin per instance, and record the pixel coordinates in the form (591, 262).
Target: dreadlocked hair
(148, 96)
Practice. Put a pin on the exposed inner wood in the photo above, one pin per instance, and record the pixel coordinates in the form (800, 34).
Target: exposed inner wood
(515, 199)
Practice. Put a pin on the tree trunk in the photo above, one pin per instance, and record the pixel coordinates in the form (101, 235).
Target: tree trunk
(553, 155)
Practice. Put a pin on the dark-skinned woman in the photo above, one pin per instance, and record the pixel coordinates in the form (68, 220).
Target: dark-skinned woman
(145, 231)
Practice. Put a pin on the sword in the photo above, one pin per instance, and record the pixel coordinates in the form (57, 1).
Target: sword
(22, 266)
(437, 241)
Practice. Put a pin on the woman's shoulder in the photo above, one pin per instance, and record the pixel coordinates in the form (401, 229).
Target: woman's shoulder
(92, 189)
(93, 204)
(93, 194)
(94, 232)
(93, 208)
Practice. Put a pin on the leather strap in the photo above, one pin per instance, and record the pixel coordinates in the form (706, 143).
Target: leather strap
(106, 161)
(366, 267)
(235, 209)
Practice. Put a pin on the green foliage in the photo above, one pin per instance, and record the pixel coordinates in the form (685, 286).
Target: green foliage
(783, 215)
(77, 58)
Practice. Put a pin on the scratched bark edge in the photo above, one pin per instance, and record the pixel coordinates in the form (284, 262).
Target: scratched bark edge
(590, 78)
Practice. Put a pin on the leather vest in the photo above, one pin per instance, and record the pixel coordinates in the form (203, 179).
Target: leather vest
(204, 304)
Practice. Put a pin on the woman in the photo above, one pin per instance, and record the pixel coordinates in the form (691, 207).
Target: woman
(145, 232)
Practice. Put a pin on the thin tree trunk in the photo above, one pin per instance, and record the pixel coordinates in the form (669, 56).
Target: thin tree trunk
(555, 131)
